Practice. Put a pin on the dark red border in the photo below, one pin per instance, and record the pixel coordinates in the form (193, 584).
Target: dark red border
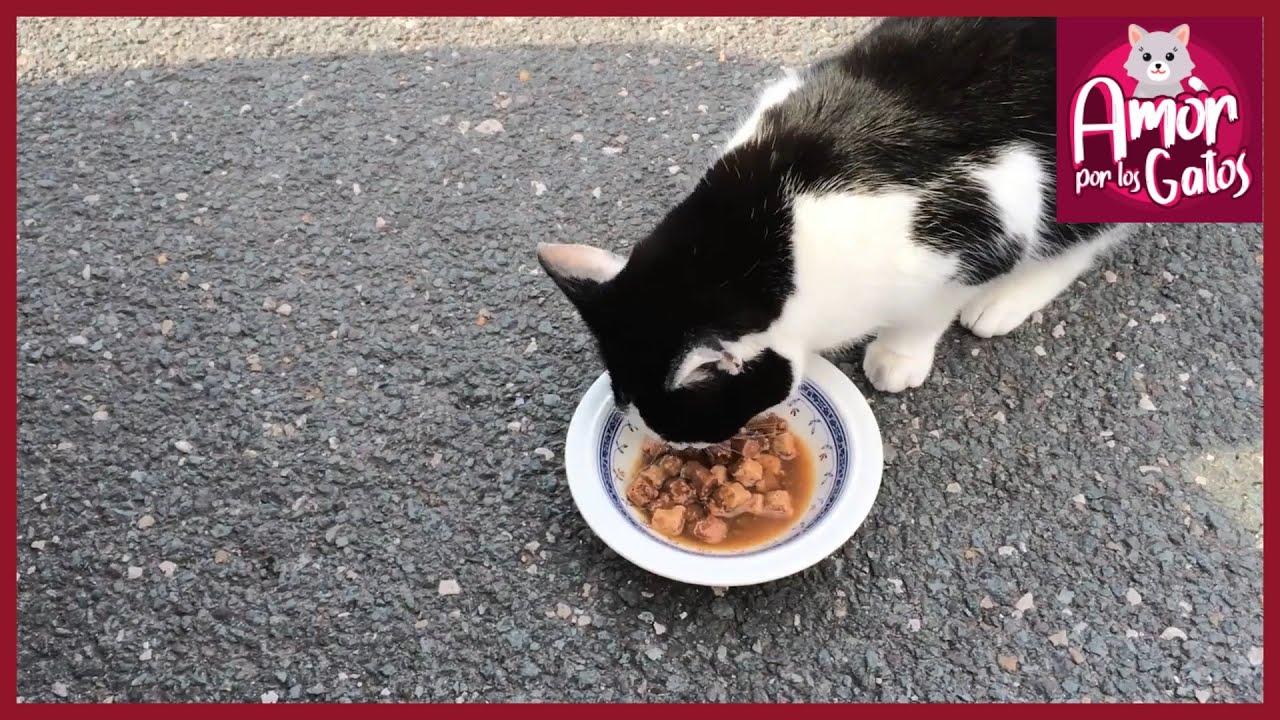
(595, 8)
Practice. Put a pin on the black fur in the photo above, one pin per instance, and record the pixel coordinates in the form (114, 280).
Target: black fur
(914, 102)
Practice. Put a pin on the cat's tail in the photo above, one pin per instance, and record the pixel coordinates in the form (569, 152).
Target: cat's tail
(1197, 84)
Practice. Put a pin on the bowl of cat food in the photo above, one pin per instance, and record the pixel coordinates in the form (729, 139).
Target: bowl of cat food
(786, 492)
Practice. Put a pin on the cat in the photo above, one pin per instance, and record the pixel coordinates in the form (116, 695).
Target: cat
(880, 192)
(1160, 62)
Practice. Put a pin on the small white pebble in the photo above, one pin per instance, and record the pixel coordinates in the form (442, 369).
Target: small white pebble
(1131, 634)
(576, 137)
(999, 417)
(92, 199)
(101, 416)
(532, 546)
(38, 544)
(986, 603)
(610, 150)
(953, 487)
(1168, 276)
(543, 453)
(1133, 596)
(181, 197)
(449, 587)
(245, 108)
(145, 655)
(1120, 356)
(379, 223)
(584, 620)
(563, 611)
(595, 193)
(975, 352)
(135, 572)
(166, 327)
(352, 372)
(1145, 403)
(914, 624)
(659, 628)
(1254, 656)
(1203, 695)
(1110, 276)
(1059, 330)
(653, 653)
(1132, 323)
(1040, 350)
(145, 522)
(538, 188)
(1158, 318)
(333, 443)
(78, 340)
(1173, 633)
(1184, 377)
(1025, 603)
(59, 689)
(532, 347)
(168, 568)
(86, 273)
(1005, 550)
(1059, 639)
(1078, 499)
(1037, 318)
(183, 446)
(1201, 480)
(673, 169)
(269, 697)
(284, 309)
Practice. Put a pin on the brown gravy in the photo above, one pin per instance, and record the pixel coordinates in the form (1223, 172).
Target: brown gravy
(747, 530)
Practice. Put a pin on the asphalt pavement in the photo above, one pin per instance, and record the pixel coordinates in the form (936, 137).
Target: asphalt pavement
(292, 397)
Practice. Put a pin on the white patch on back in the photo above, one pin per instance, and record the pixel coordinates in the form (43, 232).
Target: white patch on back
(772, 95)
(1015, 182)
(857, 270)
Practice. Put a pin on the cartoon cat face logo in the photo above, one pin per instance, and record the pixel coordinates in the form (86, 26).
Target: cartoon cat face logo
(1160, 61)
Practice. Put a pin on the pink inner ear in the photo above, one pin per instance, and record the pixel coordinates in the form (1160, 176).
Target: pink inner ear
(1135, 34)
(1183, 33)
(581, 261)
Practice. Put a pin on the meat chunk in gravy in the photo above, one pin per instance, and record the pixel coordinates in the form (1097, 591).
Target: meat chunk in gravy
(777, 504)
(668, 521)
(729, 500)
(711, 530)
(711, 493)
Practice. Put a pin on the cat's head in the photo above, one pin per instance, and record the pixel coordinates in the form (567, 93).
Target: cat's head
(681, 328)
(1159, 57)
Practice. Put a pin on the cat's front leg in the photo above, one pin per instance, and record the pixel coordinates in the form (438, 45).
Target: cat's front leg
(900, 357)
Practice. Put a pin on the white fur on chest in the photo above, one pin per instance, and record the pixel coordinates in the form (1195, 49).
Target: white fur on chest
(856, 268)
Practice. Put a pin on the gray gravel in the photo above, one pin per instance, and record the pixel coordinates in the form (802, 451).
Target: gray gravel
(292, 397)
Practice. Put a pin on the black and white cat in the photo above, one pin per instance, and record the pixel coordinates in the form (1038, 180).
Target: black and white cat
(883, 192)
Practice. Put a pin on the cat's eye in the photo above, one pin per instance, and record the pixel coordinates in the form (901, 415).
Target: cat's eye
(1168, 56)
(1146, 57)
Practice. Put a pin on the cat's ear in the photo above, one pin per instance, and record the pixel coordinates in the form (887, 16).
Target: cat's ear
(1136, 33)
(701, 362)
(578, 269)
(1183, 33)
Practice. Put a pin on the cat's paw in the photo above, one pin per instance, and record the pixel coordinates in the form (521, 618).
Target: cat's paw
(891, 371)
(1000, 309)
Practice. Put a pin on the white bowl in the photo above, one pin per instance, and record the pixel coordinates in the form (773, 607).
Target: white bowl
(827, 412)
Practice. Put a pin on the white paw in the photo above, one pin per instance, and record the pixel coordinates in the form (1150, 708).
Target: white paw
(891, 371)
(1000, 309)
